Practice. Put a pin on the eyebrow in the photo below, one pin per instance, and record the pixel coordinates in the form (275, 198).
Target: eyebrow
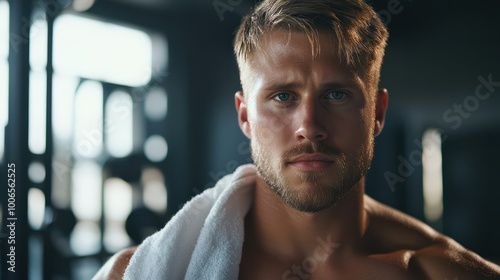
(280, 85)
(293, 85)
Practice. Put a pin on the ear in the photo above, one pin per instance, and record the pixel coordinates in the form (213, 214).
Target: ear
(381, 103)
(241, 109)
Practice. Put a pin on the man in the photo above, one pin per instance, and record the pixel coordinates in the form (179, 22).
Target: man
(311, 107)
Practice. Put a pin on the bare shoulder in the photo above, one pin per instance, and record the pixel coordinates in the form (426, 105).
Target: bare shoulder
(446, 259)
(114, 268)
(427, 252)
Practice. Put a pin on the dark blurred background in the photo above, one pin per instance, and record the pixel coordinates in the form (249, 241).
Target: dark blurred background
(116, 112)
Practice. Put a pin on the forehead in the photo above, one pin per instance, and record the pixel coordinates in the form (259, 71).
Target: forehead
(287, 57)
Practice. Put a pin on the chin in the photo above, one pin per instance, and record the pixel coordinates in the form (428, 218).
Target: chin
(312, 197)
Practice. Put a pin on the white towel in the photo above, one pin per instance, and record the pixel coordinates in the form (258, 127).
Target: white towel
(204, 239)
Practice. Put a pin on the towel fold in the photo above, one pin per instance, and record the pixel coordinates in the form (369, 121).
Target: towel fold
(204, 239)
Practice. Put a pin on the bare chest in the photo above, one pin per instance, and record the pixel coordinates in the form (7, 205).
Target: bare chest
(358, 268)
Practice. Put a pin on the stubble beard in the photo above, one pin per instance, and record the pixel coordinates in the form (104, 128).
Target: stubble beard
(310, 195)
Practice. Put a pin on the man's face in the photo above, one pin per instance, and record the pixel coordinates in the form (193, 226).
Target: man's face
(310, 120)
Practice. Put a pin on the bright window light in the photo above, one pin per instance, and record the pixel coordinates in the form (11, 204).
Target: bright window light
(88, 120)
(36, 208)
(432, 175)
(38, 86)
(4, 102)
(38, 44)
(86, 191)
(156, 148)
(118, 124)
(117, 199)
(61, 174)
(160, 54)
(63, 92)
(2, 144)
(103, 51)
(4, 72)
(4, 92)
(155, 105)
(36, 172)
(115, 236)
(85, 238)
(82, 5)
(4, 29)
(37, 112)
(155, 192)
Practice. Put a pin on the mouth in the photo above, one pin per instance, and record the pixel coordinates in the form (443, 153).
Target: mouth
(311, 162)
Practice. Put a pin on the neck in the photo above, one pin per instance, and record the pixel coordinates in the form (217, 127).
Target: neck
(278, 229)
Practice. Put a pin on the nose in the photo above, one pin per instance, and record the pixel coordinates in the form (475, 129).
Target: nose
(310, 120)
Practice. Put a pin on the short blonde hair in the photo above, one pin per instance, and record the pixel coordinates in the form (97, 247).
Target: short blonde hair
(355, 27)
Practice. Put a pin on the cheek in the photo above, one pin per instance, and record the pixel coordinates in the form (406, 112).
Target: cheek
(366, 127)
(353, 130)
(268, 126)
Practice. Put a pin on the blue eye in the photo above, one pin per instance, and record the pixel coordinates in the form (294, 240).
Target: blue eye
(283, 97)
(336, 95)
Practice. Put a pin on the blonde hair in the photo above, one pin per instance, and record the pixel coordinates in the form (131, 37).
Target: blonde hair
(355, 27)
